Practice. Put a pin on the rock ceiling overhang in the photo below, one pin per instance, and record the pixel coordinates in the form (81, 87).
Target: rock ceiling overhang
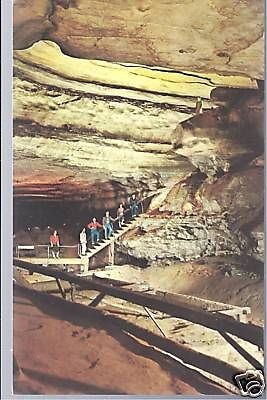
(45, 57)
(83, 121)
(222, 36)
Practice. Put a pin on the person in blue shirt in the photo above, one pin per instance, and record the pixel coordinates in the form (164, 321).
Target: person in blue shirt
(133, 205)
(107, 225)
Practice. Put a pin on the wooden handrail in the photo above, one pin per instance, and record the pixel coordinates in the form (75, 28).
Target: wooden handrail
(218, 322)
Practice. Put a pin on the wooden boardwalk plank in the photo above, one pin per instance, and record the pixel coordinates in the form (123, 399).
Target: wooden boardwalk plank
(54, 261)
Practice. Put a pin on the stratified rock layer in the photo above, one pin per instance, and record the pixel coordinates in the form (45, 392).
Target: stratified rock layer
(91, 132)
(225, 220)
(223, 35)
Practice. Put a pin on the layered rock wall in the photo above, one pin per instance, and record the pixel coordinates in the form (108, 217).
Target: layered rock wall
(220, 35)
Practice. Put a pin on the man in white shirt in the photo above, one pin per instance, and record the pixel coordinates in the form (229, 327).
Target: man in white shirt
(83, 241)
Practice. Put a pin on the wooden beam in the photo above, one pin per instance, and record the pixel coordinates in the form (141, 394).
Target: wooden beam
(242, 351)
(238, 312)
(114, 282)
(218, 322)
(153, 319)
(61, 289)
(72, 291)
(111, 252)
(97, 300)
(76, 311)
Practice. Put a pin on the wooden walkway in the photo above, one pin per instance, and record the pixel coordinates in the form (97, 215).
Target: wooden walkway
(84, 261)
(54, 261)
(109, 243)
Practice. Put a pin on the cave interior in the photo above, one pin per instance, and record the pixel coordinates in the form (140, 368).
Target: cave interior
(105, 105)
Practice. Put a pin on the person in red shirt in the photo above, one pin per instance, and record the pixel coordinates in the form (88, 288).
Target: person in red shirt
(54, 244)
(93, 226)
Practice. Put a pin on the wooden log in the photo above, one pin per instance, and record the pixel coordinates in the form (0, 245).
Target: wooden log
(153, 319)
(242, 351)
(61, 289)
(97, 300)
(74, 311)
(72, 291)
(248, 332)
(113, 282)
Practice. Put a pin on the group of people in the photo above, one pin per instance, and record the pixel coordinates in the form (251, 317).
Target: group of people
(94, 226)
(107, 224)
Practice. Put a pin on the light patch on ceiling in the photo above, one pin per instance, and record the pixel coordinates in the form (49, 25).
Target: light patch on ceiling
(48, 55)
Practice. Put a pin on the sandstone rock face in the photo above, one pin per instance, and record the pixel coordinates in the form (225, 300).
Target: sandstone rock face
(85, 128)
(87, 133)
(221, 139)
(183, 238)
(78, 140)
(225, 36)
(240, 195)
(230, 207)
(257, 235)
(82, 168)
(141, 121)
(31, 21)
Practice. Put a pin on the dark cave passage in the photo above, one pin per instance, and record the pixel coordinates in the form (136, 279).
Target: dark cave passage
(65, 216)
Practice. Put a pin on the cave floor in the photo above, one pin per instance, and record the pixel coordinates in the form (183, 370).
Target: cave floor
(58, 354)
(200, 280)
(98, 366)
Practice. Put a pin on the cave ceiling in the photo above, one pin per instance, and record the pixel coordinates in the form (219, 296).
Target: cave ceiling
(98, 95)
(223, 36)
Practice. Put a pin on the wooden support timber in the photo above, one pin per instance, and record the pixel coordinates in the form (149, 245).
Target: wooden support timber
(97, 300)
(237, 312)
(111, 253)
(77, 311)
(153, 319)
(217, 322)
(242, 351)
(61, 289)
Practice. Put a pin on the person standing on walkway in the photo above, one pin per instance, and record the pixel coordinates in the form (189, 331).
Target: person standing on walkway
(107, 225)
(83, 241)
(93, 226)
(199, 106)
(120, 215)
(133, 205)
(54, 244)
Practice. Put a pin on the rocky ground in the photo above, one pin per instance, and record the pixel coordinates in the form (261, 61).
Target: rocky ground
(221, 280)
(91, 358)
(94, 347)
